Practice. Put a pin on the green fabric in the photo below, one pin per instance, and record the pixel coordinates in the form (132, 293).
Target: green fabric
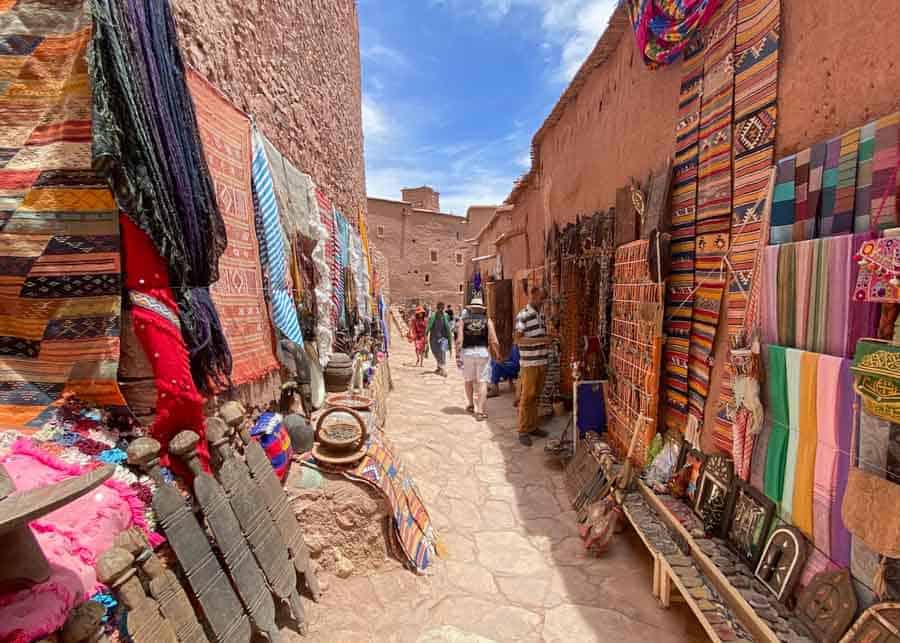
(449, 331)
(778, 410)
(793, 359)
(787, 295)
(864, 348)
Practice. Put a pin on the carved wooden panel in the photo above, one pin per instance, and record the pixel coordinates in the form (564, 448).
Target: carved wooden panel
(781, 563)
(827, 606)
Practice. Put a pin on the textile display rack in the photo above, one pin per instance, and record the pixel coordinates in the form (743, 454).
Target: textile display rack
(635, 350)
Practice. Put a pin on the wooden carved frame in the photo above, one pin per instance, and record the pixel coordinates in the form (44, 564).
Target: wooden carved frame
(827, 605)
(748, 520)
(878, 624)
(715, 477)
(795, 567)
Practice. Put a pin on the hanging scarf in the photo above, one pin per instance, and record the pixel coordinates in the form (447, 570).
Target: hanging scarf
(663, 28)
(777, 404)
(147, 145)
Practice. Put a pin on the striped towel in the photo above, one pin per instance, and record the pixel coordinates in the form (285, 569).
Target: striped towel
(284, 312)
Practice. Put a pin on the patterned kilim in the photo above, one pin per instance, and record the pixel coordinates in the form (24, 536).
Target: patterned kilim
(884, 172)
(238, 295)
(635, 351)
(846, 187)
(60, 271)
(863, 207)
(755, 93)
(714, 201)
(384, 471)
(680, 297)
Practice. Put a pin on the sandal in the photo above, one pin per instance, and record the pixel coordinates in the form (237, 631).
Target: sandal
(481, 417)
(470, 408)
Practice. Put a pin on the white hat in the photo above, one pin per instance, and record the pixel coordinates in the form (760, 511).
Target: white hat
(477, 300)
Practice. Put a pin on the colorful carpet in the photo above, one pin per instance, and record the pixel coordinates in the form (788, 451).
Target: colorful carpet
(714, 200)
(663, 29)
(755, 115)
(59, 245)
(238, 295)
(885, 177)
(680, 295)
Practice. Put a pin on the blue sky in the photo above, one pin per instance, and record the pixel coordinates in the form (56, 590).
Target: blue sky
(453, 90)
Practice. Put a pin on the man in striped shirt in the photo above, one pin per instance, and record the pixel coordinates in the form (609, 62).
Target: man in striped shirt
(531, 337)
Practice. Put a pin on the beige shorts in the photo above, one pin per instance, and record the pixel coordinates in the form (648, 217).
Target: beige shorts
(476, 368)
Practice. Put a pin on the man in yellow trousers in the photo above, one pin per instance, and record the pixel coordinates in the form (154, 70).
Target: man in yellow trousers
(531, 337)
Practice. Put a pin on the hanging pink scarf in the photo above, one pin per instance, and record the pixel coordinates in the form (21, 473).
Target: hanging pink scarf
(804, 254)
(768, 296)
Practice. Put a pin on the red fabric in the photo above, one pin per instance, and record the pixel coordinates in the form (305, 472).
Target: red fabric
(179, 405)
(418, 329)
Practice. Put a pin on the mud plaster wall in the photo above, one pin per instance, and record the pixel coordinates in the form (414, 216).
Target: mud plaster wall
(293, 65)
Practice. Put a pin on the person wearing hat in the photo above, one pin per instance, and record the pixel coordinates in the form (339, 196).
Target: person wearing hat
(531, 337)
(439, 334)
(418, 331)
(476, 341)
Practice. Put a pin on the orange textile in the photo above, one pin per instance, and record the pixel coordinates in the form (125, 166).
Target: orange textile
(238, 295)
(805, 475)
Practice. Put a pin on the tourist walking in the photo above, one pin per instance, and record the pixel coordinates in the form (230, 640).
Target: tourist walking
(476, 342)
(418, 330)
(439, 333)
(531, 337)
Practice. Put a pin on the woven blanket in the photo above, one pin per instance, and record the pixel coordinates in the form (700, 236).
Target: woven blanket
(807, 444)
(777, 405)
(829, 185)
(863, 208)
(714, 200)
(885, 177)
(680, 294)
(770, 290)
(783, 205)
(284, 311)
(663, 29)
(804, 220)
(382, 469)
(238, 295)
(59, 243)
(845, 201)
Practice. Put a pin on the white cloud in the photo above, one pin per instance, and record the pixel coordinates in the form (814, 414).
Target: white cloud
(525, 161)
(383, 56)
(375, 122)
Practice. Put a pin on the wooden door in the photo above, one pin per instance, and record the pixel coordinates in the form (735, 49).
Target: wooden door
(500, 309)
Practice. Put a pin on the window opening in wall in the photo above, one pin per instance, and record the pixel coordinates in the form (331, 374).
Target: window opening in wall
(434, 255)
(462, 287)
(457, 236)
(459, 259)
(427, 278)
(381, 232)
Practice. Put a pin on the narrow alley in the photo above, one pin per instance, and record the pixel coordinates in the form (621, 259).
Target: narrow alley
(514, 567)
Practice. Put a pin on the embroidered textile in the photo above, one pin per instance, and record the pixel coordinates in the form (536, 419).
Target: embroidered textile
(147, 146)
(60, 303)
(238, 295)
(663, 28)
(879, 273)
(714, 201)
(284, 311)
(178, 403)
(680, 295)
(72, 538)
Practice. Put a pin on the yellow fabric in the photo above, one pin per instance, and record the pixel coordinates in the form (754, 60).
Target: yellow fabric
(804, 479)
(532, 382)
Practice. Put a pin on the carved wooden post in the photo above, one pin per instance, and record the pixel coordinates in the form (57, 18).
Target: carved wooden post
(269, 489)
(248, 578)
(145, 623)
(164, 587)
(265, 540)
(227, 621)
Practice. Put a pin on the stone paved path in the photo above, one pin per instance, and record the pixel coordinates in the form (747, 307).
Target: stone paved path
(515, 569)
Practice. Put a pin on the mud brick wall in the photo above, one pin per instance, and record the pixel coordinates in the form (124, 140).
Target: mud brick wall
(294, 65)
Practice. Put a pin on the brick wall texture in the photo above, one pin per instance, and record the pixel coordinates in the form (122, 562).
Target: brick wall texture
(293, 65)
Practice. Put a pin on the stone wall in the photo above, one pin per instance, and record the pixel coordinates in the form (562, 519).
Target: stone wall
(407, 236)
(294, 66)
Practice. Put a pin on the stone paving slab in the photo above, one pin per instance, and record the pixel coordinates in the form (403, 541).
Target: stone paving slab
(515, 569)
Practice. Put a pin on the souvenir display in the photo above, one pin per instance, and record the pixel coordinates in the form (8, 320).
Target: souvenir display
(782, 560)
(223, 524)
(827, 606)
(878, 624)
(713, 488)
(747, 521)
(211, 587)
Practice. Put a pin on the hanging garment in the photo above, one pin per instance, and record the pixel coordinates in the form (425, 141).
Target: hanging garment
(663, 29)
(793, 365)
(147, 145)
(803, 269)
(777, 403)
(783, 202)
(807, 444)
(770, 295)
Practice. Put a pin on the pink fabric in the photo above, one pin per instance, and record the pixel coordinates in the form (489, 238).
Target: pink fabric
(71, 537)
(804, 255)
(828, 396)
(768, 303)
(840, 295)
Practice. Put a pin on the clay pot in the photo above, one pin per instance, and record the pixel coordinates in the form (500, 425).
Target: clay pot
(338, 373)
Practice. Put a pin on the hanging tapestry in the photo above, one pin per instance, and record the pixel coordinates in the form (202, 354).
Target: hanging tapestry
(755, 93)
(284, 311)
(845, 200)
(147, 146)
(326, 213)
(863, 208)
(299, 207)
(59, 244)
(879, 273)
(829, 186)
(635, 351)
(817, 156)
(680, 295)
(793, 359)
(238, 295)
(663, 29)
(885, 178)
